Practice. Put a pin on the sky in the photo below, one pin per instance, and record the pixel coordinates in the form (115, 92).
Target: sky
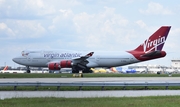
(107, 25)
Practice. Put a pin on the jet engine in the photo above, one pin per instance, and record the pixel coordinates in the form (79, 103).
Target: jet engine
(66, 64)
(54, 66)
(62, 64)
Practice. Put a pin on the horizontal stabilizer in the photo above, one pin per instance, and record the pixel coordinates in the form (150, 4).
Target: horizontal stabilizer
(152, 54)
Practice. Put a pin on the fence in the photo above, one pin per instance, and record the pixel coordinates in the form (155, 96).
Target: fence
(88, 84)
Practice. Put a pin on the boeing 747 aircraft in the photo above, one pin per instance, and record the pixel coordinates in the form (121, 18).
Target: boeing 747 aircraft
(150, 49)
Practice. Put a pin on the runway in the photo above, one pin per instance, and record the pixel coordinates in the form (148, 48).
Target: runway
(104, 79)
(85, 94)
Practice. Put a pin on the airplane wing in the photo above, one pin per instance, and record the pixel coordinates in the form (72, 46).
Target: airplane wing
(83, 57)
(82, 60)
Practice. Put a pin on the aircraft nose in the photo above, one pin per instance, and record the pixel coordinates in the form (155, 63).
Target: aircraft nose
(16, 60)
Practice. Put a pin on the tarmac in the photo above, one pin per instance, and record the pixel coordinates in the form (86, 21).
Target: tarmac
(86, 94)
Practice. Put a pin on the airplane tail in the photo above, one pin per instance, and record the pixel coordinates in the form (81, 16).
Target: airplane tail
(5, 68)
(152, 47)
(156, 41)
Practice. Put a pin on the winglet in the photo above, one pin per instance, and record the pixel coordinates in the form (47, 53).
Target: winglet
(84, 57)
(90, 54)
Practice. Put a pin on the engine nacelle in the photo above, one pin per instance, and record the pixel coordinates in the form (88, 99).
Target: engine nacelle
(62, 64)
(54, 66)
(66, 64)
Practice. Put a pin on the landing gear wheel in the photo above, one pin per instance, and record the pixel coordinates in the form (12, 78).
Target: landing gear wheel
(88, 70)
(28, 71)
(75, 70)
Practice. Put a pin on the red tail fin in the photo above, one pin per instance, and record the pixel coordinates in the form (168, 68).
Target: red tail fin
(155, 41)
(5, 68)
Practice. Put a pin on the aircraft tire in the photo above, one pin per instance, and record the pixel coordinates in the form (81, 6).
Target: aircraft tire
(28, 71)
(158, 72)
(75, 69)
(87, 70)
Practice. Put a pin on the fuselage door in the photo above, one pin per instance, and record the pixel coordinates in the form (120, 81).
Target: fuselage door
(26, 54)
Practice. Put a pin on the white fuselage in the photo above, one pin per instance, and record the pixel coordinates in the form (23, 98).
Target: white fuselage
(98, 59)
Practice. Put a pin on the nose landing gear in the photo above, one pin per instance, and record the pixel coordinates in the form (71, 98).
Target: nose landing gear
(28, 69)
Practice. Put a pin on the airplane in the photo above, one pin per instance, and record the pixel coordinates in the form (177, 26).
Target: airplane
(83, 61)
(5, 70)
(122, 70)
(116, 69)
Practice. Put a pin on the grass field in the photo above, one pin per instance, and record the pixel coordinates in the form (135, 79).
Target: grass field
(63, 75)
(156, 101)
(85, 88)
(95, 88)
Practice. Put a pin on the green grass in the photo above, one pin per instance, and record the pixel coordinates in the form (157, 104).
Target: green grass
(63, 75)
(85, 88)
(156, 101)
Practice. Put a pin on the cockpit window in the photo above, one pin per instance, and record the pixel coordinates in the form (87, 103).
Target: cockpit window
(24, 53)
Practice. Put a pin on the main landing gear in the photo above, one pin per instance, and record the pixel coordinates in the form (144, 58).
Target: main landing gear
(28, 69)
(78, 72)
(76, 69)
